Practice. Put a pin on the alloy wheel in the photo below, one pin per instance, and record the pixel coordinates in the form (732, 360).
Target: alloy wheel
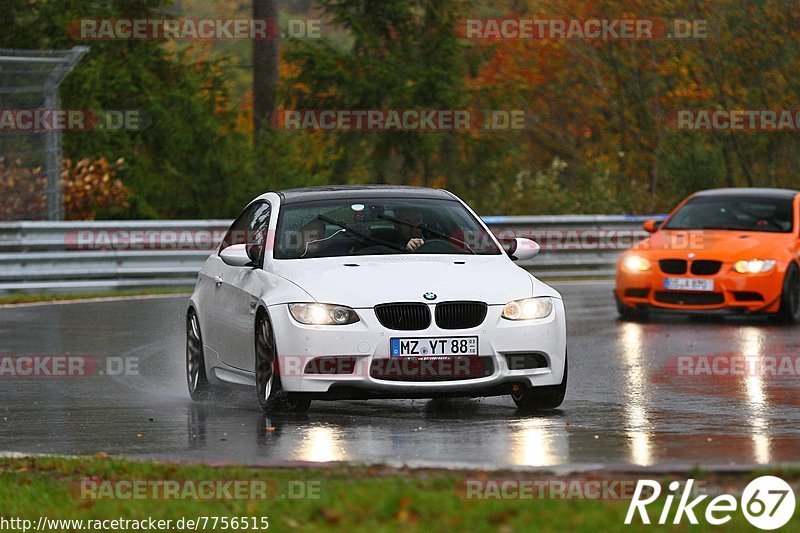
(265, 360)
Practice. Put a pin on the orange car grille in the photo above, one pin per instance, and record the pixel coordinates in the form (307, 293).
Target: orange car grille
(689, 298)
(704, 267)
(701, 267)
(672, 266)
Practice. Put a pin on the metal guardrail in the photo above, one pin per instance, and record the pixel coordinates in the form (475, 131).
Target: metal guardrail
(92, 256)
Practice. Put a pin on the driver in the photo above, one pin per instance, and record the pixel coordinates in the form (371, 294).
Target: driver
(309, 238)
(409, 236)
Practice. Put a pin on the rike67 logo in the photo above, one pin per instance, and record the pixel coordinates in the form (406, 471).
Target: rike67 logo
(767, 502)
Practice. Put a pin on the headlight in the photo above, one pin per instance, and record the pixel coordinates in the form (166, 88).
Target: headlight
(528, 308)
(635, 263)
(322, 314)
(754, 266)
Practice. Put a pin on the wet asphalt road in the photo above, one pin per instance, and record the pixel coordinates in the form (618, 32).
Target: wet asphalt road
(624, 405)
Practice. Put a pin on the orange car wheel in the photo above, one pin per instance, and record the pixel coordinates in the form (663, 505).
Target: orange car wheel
(630, 313)
(789, 312)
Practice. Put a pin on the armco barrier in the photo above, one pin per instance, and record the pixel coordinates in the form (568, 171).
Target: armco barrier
(92, 256)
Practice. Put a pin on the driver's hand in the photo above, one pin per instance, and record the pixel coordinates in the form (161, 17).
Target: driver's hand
(413, 244)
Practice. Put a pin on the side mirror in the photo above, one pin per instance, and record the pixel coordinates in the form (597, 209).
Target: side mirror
(236, 255)
(254, 252)
(520, 248)
(652, 225)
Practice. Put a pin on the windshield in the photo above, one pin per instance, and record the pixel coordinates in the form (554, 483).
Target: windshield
(379, 226)
(733, 213)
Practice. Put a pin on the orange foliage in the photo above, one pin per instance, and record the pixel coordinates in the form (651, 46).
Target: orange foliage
(22, 190)
(89, 188)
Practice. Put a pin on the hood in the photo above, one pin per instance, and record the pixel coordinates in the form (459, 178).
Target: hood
(724, 246)
(370, 280)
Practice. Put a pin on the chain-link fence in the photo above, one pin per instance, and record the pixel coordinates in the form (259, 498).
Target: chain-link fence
(30, 148)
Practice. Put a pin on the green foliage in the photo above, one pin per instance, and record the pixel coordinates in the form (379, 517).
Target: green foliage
(404, 55)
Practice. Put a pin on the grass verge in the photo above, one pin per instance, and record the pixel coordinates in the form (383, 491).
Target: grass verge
(352, 498)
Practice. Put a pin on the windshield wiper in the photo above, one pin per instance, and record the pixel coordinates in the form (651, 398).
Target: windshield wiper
(348, 230)
(695, 228)
(424, 227)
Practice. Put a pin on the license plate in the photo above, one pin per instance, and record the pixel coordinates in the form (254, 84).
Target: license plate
(688, 284)
(434, 346)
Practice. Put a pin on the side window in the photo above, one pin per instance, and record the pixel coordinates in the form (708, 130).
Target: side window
(257, 232)
(250, 228)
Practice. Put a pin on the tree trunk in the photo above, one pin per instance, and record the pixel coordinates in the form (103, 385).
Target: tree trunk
(265, 67)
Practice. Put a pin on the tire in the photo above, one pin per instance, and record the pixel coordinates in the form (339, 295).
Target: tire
(789, 311)
(271, 396)
(537, 398)
(630, 314)
(200, 389)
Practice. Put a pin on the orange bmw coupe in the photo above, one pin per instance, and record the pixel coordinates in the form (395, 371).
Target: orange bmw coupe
(730, 250)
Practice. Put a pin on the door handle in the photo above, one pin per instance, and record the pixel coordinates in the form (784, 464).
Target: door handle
(218, 281)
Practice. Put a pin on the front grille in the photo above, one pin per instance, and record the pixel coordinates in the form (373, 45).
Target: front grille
(434, 368)
(525, 361)
(672, 266)
(637, 293)
(689, 298)
(703, 267)
(746, 296)
(404, 316)
(460, 315)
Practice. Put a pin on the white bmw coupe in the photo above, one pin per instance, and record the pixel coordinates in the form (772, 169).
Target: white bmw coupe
(359, 292)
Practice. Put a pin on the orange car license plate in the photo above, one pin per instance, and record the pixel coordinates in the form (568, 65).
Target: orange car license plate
(688, 284)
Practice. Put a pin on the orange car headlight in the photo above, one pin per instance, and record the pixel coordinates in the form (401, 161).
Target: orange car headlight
(635, 263)
(754, 266)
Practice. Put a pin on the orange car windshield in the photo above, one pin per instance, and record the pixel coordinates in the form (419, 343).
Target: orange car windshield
(772, 215)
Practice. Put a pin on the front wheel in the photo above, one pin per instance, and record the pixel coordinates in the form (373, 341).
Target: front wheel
(789, 311)
(536, 398)
(271, 395)
(630, 314)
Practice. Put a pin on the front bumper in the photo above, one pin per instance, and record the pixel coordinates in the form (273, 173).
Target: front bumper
(733, 292)
(368, 343)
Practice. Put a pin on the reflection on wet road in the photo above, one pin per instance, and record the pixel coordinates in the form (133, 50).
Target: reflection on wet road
(626, 403)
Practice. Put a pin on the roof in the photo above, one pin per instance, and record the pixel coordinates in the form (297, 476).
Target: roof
(308, 194)
(751, 192)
